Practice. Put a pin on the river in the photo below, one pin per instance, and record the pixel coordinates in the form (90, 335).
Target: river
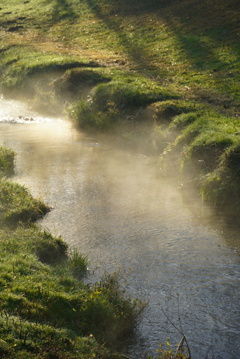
(168, 248)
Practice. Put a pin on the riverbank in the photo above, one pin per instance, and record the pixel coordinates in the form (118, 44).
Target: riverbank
(109, 203)
(168, 73)
(46, 310)
(163, 80)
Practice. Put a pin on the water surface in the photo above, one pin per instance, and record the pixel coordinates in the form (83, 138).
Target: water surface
(110, 203)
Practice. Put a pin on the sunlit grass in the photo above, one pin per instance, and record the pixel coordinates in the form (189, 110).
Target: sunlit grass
(174, 44)
(17, 205)
(143, 50)
(177, 64)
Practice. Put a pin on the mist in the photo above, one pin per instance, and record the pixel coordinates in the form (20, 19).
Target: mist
(112, 205)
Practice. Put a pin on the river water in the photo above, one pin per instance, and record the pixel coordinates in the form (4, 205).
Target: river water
(109, 203)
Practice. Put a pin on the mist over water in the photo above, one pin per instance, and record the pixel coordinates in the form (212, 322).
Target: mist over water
(112, 206)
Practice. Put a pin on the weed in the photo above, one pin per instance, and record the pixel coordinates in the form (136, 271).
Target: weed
(77, 263)
(6, 161)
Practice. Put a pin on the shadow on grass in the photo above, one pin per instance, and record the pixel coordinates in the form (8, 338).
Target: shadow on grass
(206, 35)
(133, 46)
(62, 10)
(202, 29)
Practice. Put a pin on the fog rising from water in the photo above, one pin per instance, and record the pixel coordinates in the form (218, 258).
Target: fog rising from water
(112, 205)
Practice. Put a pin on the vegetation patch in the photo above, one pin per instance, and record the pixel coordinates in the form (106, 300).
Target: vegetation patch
(17, 205)
(46, 311)
(208, 145)
(117, 99)
(6, 161)
(165, 76)
(74, 81)
(221, 187)
(20, 64)
(77, 264)
(166, 111)
(51, 250)
(35, 295)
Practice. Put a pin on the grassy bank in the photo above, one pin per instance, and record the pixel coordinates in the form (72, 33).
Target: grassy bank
(165, 74)
(163, 78)
(45, 309)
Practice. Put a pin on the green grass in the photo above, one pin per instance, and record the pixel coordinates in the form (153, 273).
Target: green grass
(174, 59)
(173, 44)
(117, 99)
(37, 297)
(23, 62)
(77, 263)
(6, 161)
(164, 77)
(17, 205)
(45, 309)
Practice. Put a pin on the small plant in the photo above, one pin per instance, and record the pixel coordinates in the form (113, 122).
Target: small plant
(6, 161)
(77, 263)
(92, 119)
(118, 318)
(167, 351)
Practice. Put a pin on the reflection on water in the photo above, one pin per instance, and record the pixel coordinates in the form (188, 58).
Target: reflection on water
(110, 204)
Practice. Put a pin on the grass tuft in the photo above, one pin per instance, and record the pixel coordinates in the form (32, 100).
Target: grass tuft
(51, 250)
(6, 161)
(17, 205)
(116, 99)
(77, 264)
